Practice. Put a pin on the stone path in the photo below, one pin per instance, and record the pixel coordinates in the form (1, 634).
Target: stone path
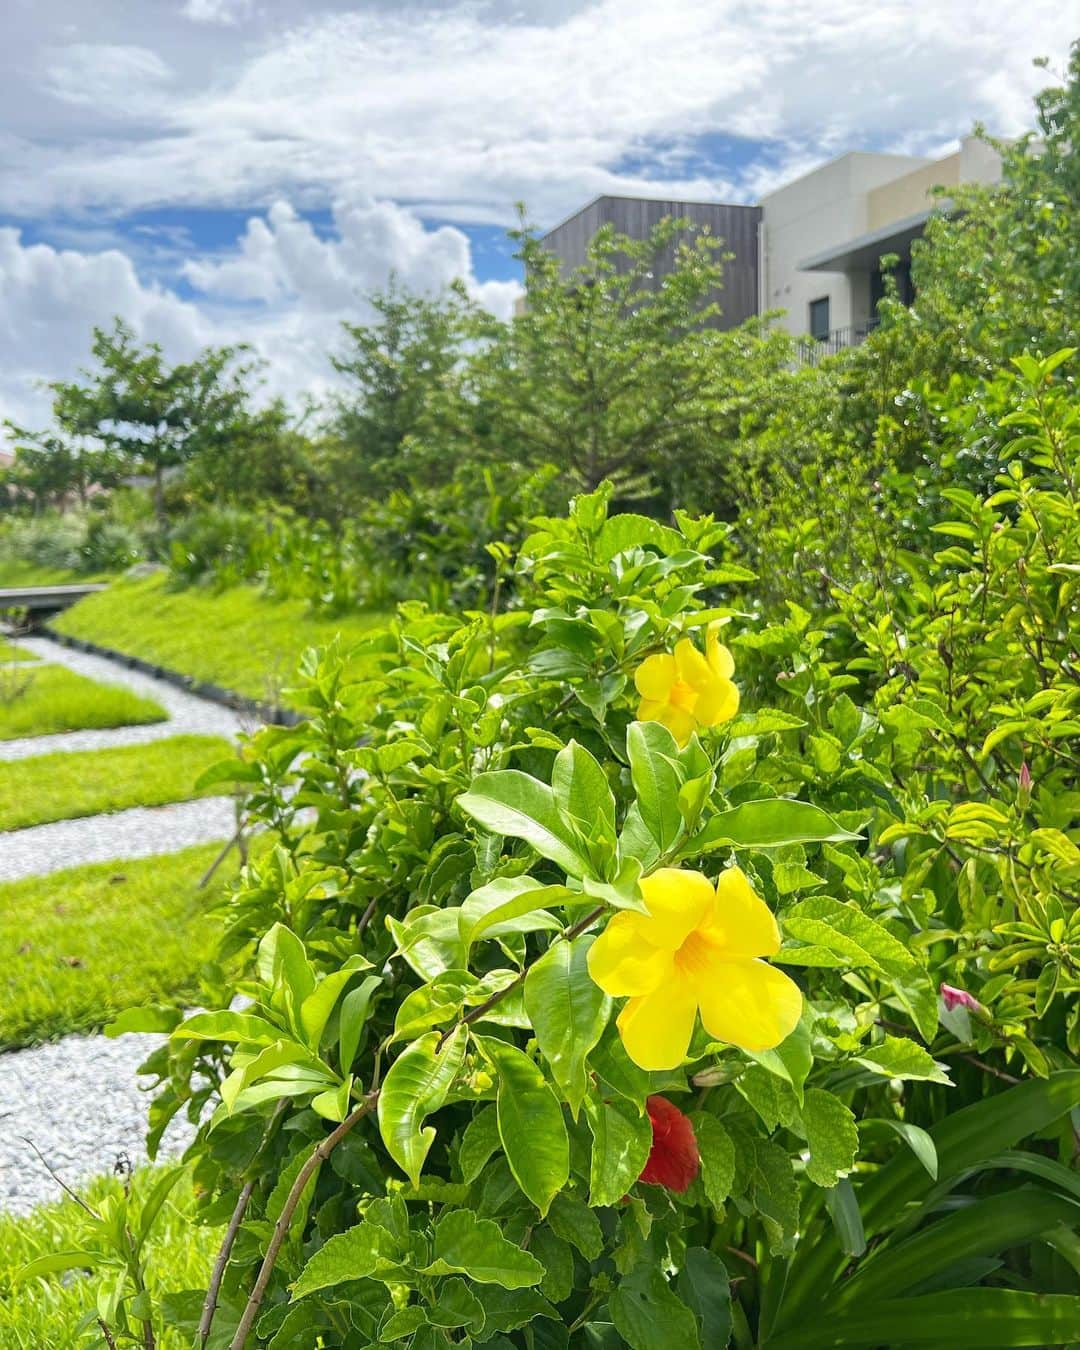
(79, 1100)
(139, 832)
(186, 712)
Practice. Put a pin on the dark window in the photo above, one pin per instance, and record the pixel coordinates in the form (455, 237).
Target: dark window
(819, 318)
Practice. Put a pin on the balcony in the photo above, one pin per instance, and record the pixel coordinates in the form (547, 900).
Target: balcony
(814, 350)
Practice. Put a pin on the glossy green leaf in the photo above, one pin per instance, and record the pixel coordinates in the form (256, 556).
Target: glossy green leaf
(657, 780)
(355, 1007)
(513, 804)
(583, 795)
(768, 823)
(416, 1085)
(531, 1124)
(704, 1287)
(846, 931)
(490, 910)
(568, 1012)
(832, 1135)
(622, 1140)
(467, 1245)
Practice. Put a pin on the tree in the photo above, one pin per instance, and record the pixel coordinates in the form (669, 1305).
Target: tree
(396, 368)
(612, 373)
(157, 416)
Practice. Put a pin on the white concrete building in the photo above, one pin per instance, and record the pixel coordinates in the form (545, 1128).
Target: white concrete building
(822, 237)
(813, 248)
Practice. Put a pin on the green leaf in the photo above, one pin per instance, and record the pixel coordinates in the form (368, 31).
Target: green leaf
(657, 780)
(916, 1138)
(849, 933)
(320, 1003)
(505, 899)
(648, 1315)
(717, 1158)
(478, 1142)
(793, 1058)
(417, 1084)
(898, 1057)
(531, 1124)
(354, 1013)
(962, 1319)
(513, 804)
(768, 823)
(622, 1141)
(282, 965)
(703, 1285)
(455, 1305)
(832, 1135)
(843, 1207)
(467, 1245)
(508, 1309)
(572, 1220)
(568, 1013)
(583, 796)
(241, 1028)
(353, 1255)
(54, 1262)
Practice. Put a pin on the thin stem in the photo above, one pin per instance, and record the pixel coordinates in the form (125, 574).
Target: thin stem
(109, 1339)
(210, 1303)
(316, 1157)
(60, 1181)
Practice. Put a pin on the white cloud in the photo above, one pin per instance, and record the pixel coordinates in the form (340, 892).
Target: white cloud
(284, 289)
(225, 12)
(118, 78)
(469, 103)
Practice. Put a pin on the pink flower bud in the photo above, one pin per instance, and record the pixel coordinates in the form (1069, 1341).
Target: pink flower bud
(959, 998)
(1025, 777)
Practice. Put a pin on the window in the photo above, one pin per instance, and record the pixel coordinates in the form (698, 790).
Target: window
(819, 319)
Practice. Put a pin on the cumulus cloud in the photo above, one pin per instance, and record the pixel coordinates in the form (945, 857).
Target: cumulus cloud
(283, 288)
(225, 12)
(483, 104)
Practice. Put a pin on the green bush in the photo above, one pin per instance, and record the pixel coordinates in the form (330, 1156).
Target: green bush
(431, 1119)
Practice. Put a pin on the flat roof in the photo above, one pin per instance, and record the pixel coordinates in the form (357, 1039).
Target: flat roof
(865, 249)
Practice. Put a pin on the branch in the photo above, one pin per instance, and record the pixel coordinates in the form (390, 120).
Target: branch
(206, 1321)
(317, 1156)
(109, 1339)
(60, 1181)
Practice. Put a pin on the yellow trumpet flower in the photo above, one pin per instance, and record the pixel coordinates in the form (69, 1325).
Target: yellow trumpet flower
(697, 950)
(688, 690)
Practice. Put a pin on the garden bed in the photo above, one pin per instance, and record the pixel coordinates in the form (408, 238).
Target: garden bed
(59, 700)
(67, 785)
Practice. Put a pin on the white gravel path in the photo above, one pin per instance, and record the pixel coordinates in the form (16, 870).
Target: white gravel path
(79, 1099)
(186, 712)
(81, 1103)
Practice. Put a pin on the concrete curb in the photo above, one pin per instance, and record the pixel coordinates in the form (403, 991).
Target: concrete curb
(213, 693)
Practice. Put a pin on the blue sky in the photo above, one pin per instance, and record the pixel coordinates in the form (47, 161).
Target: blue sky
(222, 170)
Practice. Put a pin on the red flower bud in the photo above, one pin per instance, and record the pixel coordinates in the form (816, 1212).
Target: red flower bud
(674, 1160)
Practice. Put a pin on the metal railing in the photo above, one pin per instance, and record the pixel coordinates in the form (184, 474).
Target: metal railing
(813, 350)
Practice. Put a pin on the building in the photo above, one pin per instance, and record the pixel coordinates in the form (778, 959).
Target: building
(813, 247)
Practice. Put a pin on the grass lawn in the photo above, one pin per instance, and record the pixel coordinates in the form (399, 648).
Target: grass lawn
(10, 651)
(236, 638)
(58, 699)
(44, 1314)
(82, 783)
(15, 572)
(80, 946)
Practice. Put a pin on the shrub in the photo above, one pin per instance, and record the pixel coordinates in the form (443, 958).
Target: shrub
(428, 1122)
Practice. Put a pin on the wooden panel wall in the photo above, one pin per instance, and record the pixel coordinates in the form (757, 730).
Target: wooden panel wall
(737, 226)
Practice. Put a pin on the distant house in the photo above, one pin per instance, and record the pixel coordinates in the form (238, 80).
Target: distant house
(812, 247)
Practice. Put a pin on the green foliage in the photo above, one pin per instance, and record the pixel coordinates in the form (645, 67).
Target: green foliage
(55, 699)
(46, 1311)
(425, 1083)
(67, 785)
(86, 943)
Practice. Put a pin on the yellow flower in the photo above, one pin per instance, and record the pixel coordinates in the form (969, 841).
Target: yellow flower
(688, 690)
(696, 950)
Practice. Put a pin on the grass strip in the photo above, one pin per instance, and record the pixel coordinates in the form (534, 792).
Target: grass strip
(52, 698)
(79, 946)
(10, 651)
(236, 638)
(45, 1314)
(64, 786)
